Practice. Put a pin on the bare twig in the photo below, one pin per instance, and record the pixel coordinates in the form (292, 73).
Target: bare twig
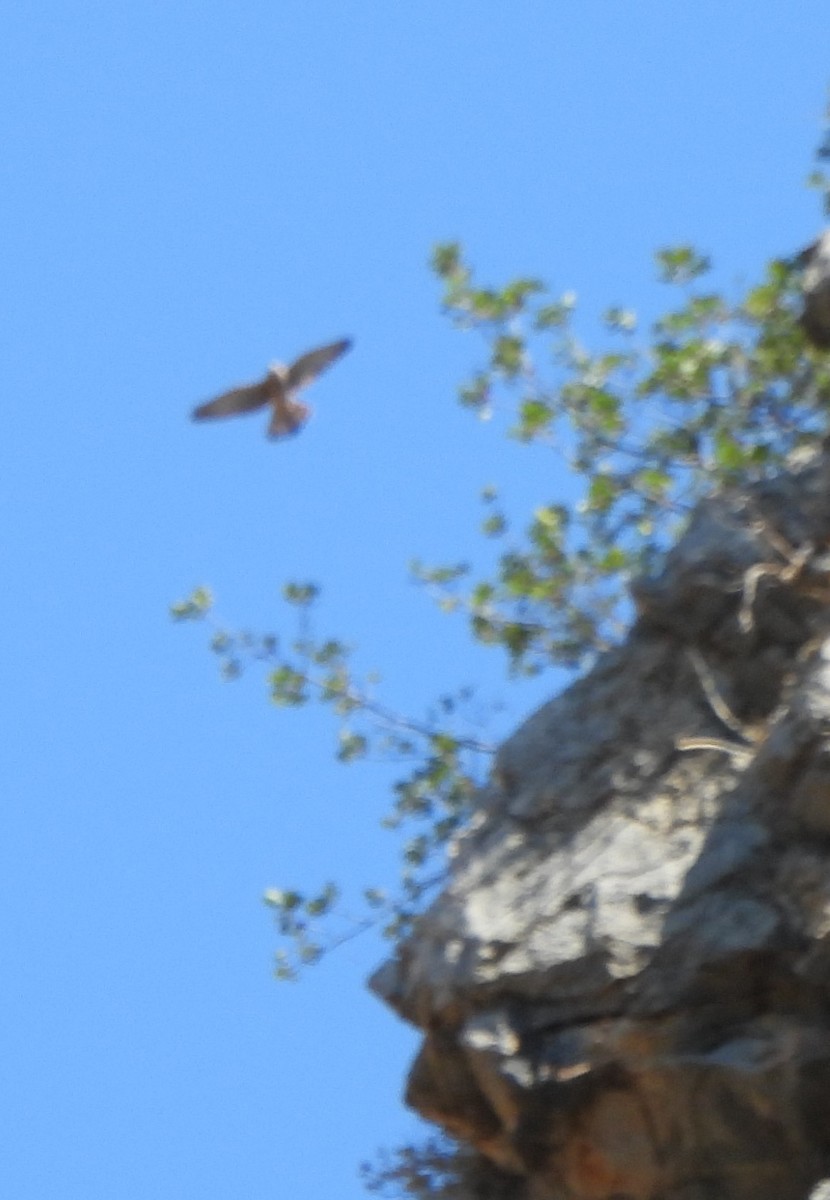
(742, 753)
(715, 701)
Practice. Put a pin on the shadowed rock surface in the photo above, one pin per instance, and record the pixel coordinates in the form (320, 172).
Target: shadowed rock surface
(815, 319)
(624, 988)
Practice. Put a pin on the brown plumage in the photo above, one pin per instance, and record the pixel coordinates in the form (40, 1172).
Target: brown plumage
(278, 388)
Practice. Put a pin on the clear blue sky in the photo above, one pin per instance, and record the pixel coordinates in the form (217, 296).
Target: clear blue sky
(190, 190)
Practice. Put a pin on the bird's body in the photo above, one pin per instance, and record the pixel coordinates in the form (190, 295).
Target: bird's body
(277, 389)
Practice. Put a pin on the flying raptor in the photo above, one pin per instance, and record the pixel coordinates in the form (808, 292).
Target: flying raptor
(278, 388)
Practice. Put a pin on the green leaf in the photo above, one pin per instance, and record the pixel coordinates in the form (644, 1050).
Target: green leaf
(517, 293)
(323, 903)
(286, 901)
(556, 316)
(494, 525)
(508, 355)
(195, 607)
(602, 492)
(554, 517)
(654, 480)
(446, 258)
(352, 746)
(482, 593)
(728, 451)
(288, 687)
(301, 594)
(681, 264)
(476, 393)
(535, 416)
(623, 320)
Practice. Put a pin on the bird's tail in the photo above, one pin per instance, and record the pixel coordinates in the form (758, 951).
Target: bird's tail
(288, 418)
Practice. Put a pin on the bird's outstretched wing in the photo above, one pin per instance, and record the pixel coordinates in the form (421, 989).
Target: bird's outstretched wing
(309, 366)
(237, 400)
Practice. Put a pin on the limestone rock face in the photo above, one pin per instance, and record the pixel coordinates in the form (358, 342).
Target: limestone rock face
(624, 987)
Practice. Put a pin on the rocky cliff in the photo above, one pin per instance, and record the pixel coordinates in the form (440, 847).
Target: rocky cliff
(624, 988)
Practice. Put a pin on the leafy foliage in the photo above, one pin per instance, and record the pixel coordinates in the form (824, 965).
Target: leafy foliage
(445, 763)
(719, 393)
(440, 1169)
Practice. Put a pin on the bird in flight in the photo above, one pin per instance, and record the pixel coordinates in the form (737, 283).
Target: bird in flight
(278, 388)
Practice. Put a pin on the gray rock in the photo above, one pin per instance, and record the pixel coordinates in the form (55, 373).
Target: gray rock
(815, 318)
(624, 987)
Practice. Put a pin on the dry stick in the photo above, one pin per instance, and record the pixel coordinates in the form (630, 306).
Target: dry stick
(740, 750)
